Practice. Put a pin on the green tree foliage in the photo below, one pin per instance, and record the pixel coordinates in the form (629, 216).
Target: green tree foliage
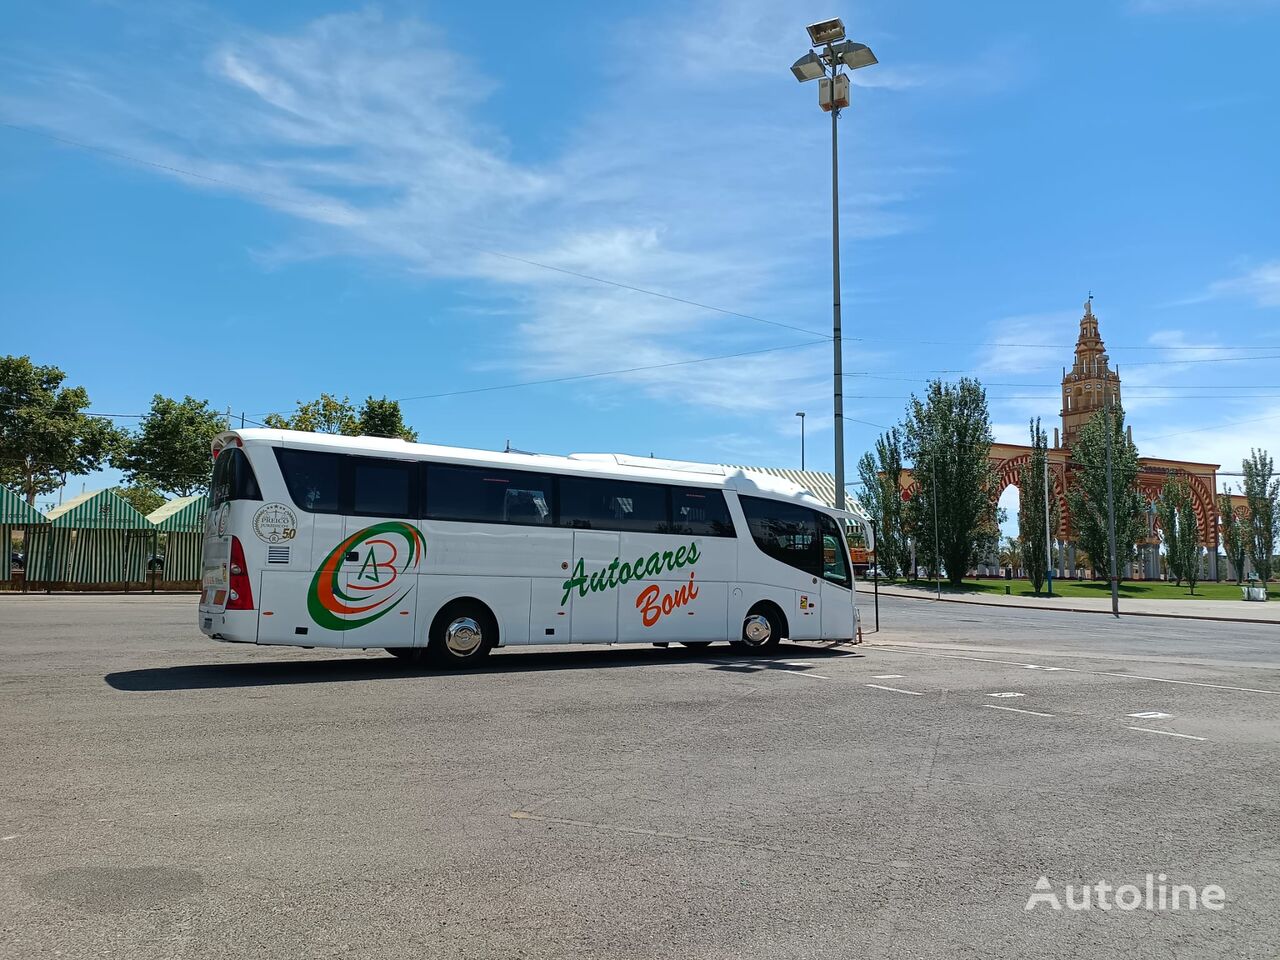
(1179, 530)
(144, 499)
(45, 434)
(1011, 553)
(1087, 498)
(881, 476)
(1031, 510)
(1262, 490)
(948, 438)
(382, 418)
(328, 414)
(1235, 535)
(169, 452)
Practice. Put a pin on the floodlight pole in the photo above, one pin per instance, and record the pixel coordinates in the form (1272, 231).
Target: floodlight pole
(837, 341)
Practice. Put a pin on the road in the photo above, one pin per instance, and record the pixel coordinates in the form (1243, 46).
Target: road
(169, 797)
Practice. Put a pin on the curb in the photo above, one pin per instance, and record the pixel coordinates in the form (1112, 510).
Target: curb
(1037, 606)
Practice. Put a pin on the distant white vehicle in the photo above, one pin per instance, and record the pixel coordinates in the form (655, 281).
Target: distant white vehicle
(445, 553)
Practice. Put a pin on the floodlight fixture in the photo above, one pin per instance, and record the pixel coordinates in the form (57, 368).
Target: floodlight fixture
(853, 55)
(809, 67)
(826, 31)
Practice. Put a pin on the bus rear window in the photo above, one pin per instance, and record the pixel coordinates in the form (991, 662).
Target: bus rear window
(233, 478)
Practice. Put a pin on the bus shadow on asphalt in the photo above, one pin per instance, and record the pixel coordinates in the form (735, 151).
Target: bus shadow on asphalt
(206, 676)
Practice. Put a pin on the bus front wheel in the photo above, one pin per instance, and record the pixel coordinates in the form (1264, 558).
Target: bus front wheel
(461, 634)
(762, 629)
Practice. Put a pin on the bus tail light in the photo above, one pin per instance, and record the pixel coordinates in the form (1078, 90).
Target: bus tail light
(241, 595)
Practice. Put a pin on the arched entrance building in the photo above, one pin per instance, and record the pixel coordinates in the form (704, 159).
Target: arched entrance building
(1086, 388)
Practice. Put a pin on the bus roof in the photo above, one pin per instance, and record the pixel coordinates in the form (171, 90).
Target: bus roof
(617, 465)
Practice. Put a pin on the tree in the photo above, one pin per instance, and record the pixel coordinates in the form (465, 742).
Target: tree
(1087, 497)
(328, 414)
(382, 418)
(948, 438)
(1189, 541)
(144, 499)
(45, 434)
(169, 452)
(1235, 535)
(1031, 510)
(1262, 490)
(1180, 531)
(881, 476)
(1011, 553)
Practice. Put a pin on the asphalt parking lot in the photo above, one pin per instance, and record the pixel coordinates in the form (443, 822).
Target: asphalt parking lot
(167, 796)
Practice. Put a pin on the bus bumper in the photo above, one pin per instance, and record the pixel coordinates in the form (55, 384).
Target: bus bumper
(230, 626)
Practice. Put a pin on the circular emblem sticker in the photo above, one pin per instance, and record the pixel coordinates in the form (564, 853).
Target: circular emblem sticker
(275, 523)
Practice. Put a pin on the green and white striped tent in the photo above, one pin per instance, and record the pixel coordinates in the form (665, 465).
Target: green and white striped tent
(97, 537)
(182, 522)
(15, 512)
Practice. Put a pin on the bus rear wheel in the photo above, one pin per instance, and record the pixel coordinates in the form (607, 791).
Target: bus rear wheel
(762, 629)
(461, 635)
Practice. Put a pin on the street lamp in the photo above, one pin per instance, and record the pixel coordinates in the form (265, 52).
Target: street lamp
(801, 416)
(827, 65)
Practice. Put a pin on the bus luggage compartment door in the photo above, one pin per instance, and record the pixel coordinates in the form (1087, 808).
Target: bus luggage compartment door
(593, 617)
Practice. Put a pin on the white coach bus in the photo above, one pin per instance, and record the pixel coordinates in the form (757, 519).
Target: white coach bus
(442, 553)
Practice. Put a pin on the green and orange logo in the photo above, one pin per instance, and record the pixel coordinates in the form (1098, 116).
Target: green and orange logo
(349, 593)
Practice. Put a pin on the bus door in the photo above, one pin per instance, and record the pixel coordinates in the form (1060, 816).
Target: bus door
(837, 582)
(594, 617)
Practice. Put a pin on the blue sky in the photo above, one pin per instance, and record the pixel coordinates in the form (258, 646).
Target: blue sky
(256, 202)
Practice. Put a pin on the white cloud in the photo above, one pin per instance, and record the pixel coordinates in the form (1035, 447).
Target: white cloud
(1260, 284)
(371, 133)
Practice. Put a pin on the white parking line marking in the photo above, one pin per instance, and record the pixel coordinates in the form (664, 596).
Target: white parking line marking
(1007, 693)
(1189, 683)
(799, 673)
(887, 676)
(1151, 715)
(876, 686)
(1168, 733)
(1036, 666)
(1088, 673)
(1034, 713)
(12, 836)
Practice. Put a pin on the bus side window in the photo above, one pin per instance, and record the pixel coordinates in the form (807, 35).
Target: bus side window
(602, 504)
(314, 479)
(382, 488)
(487, 495)
(785, 531)
(700, 513)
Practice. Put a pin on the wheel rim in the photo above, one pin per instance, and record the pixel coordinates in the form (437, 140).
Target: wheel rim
(756, 630)
(463, 637)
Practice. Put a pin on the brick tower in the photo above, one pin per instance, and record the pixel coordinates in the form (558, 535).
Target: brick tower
(1090, 383)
